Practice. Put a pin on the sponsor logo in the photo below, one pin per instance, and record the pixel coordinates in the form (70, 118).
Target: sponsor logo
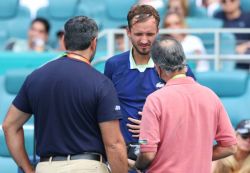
(117, 108)
(142, 141)
(159, 85)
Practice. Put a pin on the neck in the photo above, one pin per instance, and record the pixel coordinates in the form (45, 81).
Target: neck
(171, 75)
(139, 58)
(83, 53)
(241, 155)
(233, 15)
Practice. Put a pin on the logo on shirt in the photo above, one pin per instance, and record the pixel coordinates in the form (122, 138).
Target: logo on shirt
(117, 107)
(143, 141)
(242, 24)
(159, 85)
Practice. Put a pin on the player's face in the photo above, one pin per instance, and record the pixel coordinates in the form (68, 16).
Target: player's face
(142, 35)
(243, 142)
(230, 6)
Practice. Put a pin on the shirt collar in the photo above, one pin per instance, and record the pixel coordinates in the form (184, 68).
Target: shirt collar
(182, 80)
(142, 67)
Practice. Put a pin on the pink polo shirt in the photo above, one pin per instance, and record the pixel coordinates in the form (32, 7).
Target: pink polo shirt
(180, 123)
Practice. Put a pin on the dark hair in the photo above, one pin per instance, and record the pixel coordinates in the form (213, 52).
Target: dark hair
(44, 21)
(117, 36)
(79, 32)
(59, 33)
(142, 13)
(168, 54)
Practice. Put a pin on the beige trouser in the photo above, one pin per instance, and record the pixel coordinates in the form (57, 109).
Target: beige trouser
(72, 166)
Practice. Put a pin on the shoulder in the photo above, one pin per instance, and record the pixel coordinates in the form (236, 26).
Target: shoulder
(43, 68)
(246, 14)
(119, 58)
(211, 94)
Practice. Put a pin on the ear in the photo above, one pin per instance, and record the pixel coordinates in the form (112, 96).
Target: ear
(157, 30)
(158, 69)
(128, 32)
(186, 69)
(93, 44)
(63, 41)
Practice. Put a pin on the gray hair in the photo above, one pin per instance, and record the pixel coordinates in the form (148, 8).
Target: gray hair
(168, 54)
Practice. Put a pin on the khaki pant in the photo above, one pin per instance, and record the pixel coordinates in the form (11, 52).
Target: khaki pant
(72, 166)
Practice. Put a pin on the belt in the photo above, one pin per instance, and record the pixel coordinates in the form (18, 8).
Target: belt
(85, 156)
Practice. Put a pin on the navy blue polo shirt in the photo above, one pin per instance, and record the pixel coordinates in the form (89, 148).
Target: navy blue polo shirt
(132, 87)
(243, 21)
(69, 99)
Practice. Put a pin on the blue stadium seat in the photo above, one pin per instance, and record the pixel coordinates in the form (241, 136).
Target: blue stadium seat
(8, 165)
(116, 13)
(233, 88)
(10, 85)
(203, 22)
(194, 11)
(14, 21)
(227, 44)
(245, 5)
(9, 60)
(85, 7)
(57, 13)
(100, 65)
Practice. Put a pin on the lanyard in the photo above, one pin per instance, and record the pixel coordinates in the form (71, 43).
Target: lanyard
(178, 76)
(78, 57)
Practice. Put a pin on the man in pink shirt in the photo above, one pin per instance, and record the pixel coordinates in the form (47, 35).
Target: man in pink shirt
(181, 121)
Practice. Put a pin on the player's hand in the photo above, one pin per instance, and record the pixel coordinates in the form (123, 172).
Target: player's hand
(131, 165)
(135, 127)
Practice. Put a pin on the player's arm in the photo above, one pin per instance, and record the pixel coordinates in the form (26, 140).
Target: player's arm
(108, 115)
(225, 135)
(114, 146)
(14, 135)
(220, 152)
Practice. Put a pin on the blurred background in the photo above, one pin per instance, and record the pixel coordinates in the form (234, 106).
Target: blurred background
(215, 35)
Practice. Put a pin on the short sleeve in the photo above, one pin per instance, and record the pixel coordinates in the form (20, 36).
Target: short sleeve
(150, 126)
(108, 104)
(225, 135)
(108, 69)
(21, 101)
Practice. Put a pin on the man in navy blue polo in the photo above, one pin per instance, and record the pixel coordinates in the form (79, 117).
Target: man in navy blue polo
(234, 17)
(133, 72)
(76, 111)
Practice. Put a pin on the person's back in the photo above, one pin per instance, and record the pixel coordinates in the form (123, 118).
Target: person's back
(181, 120)
(187, 126)
(67, 92)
